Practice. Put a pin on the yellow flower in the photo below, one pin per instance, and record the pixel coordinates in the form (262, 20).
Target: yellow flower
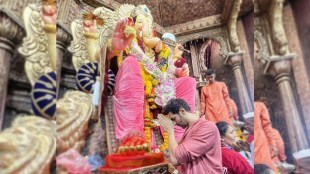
(164, 68)
(155, 82)
(153, 106)
(150, 100)
(164, 53)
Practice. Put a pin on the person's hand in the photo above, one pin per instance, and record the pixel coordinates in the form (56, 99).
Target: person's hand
(182, 72)
(243, 145)
(171, 168)
(120, 41)
(177, 51)
(230, 113)
(166, 123)
(274, 151)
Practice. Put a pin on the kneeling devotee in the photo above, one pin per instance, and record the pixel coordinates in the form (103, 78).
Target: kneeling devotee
(199, 150)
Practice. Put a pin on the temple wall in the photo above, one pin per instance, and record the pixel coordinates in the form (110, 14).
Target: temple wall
(297, 24)
(244, 39)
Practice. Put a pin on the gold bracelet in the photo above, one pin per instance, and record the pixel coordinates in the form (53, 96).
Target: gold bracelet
(109, 45)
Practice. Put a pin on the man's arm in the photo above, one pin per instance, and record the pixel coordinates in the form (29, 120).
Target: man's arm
(201, 140)
(226, 99)
(172, 144)
(266, 124)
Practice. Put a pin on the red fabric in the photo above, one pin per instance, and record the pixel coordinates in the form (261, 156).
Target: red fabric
(250, 139)
(180, 62)
(235, 163)
(128, 162)
(215, 102)
(199, 150)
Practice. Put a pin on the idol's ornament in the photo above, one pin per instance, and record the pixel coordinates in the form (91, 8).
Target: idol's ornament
(133, 152)
(43, 97)
(73, 112)
(86, 77)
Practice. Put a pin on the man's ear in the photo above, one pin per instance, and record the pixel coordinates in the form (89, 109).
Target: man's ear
(222, 140)
(182, 111)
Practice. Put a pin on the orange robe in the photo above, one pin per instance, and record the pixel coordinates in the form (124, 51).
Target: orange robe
(215, 102)
(280, 145)
(263, 136)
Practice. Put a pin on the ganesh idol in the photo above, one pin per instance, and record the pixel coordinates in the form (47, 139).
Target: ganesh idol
(149, 72)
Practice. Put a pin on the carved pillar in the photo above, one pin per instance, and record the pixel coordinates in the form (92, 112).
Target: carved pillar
(11, 32)
(196, 72)
(235, 61)
(194, 59)
(280, 68)
(6, 52)
(63, 39)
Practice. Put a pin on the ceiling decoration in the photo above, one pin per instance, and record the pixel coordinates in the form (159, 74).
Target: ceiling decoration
(171, 12)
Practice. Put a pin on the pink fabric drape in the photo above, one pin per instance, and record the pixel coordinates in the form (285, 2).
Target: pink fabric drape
(129, 98)
(185, 88)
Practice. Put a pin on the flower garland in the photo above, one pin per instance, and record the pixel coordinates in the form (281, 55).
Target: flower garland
(165, 144)
(165, 89)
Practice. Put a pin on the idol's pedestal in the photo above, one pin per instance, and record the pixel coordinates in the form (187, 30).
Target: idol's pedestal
(161, 168)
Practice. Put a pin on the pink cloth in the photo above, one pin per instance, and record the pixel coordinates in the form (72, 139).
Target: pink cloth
(73, 162)
(129, 98)
(185, 88)
(199, 150)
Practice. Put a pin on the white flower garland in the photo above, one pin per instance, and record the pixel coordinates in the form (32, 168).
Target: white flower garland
(165, 90)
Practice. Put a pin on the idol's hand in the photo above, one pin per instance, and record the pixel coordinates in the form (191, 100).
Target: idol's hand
(49, 14)
(177, 51)
(121, 39)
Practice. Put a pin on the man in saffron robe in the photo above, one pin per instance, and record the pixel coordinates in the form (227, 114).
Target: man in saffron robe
(215, 102)
(280, 159)
(199, 150)
(263, 137)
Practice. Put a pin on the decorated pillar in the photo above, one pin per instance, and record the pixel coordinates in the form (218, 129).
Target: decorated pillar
(280, 68)
(235, 61)
(11, 32)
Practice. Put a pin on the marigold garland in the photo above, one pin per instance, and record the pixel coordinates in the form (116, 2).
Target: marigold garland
(149, 83)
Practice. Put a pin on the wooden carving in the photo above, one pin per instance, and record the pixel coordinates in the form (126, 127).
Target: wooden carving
(73, 113)
(28, 146)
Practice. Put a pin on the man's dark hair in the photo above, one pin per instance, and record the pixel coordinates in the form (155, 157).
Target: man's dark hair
(210, 72)
(261, 169)
(222, 126)
(174, 106)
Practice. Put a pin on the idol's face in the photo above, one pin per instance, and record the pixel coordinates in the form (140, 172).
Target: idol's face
(139, 24)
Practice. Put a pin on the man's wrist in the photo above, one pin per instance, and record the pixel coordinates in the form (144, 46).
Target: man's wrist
(170, 131)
